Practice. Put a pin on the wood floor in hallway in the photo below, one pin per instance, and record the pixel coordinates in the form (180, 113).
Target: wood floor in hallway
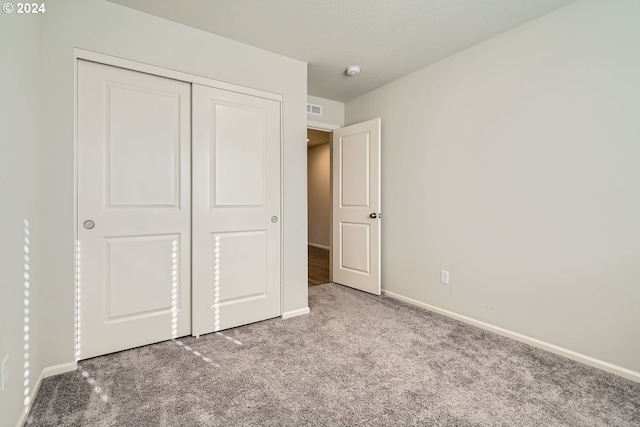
(318, 266)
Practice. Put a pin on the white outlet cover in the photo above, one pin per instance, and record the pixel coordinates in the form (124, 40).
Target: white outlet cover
(444, 277)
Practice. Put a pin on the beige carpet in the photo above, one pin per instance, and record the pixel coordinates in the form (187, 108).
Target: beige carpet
(356, 360)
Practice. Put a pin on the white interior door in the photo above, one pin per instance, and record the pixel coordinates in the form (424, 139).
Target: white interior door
(356, 206)
(133, 208)
(236, 209)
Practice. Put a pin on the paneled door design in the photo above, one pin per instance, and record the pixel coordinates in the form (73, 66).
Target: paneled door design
(236, 209)
(356, 206)
(133, 208)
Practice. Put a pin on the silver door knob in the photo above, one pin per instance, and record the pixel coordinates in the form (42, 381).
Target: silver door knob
(88, 224)
(373, 215)
(274, 219)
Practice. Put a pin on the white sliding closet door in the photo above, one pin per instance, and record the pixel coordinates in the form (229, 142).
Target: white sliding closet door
(236, 209)
(133, 208)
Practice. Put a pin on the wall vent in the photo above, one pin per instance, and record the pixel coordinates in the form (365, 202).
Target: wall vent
(314, 109)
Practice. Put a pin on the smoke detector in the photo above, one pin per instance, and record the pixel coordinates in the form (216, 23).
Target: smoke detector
(352, 70)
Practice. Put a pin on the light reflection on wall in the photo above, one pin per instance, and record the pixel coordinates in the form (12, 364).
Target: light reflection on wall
(216, 284)
(174, 289)
(27, 297)
(77, 307)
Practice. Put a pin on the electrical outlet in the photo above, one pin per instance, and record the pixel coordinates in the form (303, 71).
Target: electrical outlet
(444, 277)
(5, 371)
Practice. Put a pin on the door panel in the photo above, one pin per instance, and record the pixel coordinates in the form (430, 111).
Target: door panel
(138, 285)
(355, 247)
(356, 196)
(240, 144)
(134, 177)
(237, 251)
(236, 193)
(354, 180)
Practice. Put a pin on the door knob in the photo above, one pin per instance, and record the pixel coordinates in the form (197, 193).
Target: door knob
(88, 224)
(373, 215)
(274, 219)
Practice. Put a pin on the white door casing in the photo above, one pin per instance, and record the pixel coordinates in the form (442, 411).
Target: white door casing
(134, 183)
(236, 209)
(356, 206)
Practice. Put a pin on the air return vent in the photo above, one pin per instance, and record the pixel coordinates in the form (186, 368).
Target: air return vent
(314, 109)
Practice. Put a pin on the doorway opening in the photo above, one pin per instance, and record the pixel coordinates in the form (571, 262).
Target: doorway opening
(319, 205)
(351, 212)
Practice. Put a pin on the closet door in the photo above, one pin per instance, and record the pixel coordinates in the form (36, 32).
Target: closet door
(134, 201)
(236, 209)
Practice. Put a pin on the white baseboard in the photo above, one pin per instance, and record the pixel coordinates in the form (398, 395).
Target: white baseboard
(32, 395)
(295, 313)
(569, 354)
(314, 245)
(46, 372)
(59, 369)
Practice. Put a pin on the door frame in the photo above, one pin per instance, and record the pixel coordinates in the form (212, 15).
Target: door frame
(326, 127)
(87, 55)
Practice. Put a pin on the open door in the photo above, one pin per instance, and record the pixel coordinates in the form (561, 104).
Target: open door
(356, 206)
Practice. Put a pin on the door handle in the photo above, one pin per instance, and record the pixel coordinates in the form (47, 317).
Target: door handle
(88, 224)
(373, 215)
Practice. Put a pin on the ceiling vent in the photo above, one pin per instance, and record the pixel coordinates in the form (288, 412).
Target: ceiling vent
(314, 109)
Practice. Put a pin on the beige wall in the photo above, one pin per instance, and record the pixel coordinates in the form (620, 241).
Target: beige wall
(514, 165)
(19, 137)
(319, 194)
(332, 113)
(111, 29)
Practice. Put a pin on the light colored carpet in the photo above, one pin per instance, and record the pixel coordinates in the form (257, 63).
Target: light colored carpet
(356, 360)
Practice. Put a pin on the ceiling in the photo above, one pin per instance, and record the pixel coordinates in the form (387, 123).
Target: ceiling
(388, 39)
